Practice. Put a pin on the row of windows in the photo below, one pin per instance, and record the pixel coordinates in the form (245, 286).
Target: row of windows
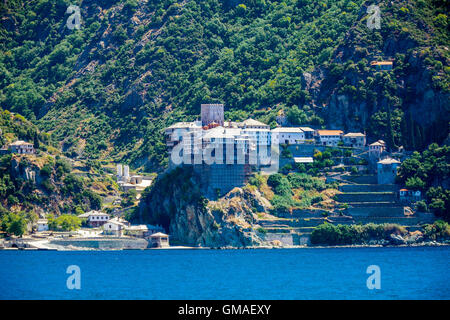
(99, 218)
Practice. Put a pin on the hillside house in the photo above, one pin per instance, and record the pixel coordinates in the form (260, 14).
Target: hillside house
(95, 218)
(377, 148)
(21, 147)
(354, 140)
(308, 132)
(113, 227)
(329, 137)
(406, 195)
(382, 65)
(42, 225)
(288, 135)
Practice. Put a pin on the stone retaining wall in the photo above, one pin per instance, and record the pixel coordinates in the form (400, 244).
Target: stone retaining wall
(106, 244)
(368, 188)
(361, 179)
(285, 238)
(405, 221)
(375, 212)
(366, 197)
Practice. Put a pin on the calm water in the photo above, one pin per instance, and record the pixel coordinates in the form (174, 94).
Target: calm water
(406, 273)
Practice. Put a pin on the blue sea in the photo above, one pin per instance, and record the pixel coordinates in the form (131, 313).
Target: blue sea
(316, 273)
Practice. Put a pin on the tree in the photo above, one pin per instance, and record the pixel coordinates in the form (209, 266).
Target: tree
(280, 184)
(129, 198)
(415, 183)
(14, 224)
(36, 143)
(296, 116)
(65, 222)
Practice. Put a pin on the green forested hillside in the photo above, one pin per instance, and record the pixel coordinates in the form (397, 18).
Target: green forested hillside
(46, 180)
(407, 106)
(15, 127)
(107, 89)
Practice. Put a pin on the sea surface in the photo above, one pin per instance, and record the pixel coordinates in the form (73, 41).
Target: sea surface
(316, 273)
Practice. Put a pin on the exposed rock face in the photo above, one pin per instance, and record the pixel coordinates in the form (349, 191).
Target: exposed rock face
(349, 91)
(175, 201)
(397, 239)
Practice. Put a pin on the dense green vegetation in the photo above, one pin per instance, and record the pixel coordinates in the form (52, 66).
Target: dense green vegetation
(294, 190)
(248, 56)
(53, 180)
(15, 127)
(64, 222)
(429, 172)
(414, 35)
(109, 88)
(437, 231)
(54, 188)
(328, 234)
(15, 223)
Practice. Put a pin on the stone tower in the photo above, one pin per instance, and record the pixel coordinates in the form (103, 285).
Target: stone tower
(212, 113)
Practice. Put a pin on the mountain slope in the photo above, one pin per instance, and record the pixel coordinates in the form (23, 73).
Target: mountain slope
(408, 106)
(134, 67)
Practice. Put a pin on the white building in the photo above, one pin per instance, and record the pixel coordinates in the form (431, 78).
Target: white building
(253, 124)
(387, 170)
(95, 218)
(377, 148)
(192, 142)
(261, 136)
(174, 133)
(138, 231)
(309, 133)
(410, 195)
(21, 147)
(288, 135)
(329, 137)
(355, 140)
(113, 227)
(159, 240)
(42, 225)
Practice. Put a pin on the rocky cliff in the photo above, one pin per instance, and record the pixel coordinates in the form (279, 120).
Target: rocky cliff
(175, 201)
(407, 106)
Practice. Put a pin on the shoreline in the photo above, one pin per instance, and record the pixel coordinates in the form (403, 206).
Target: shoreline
(43, 247)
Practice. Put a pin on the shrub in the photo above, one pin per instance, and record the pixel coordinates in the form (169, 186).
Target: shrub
(261, 230)
(422, 206)
(256, 180)
(439, 230)
(328, 234)
(280, 184)
(65, 222)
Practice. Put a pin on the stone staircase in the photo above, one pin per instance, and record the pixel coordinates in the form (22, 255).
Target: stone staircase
(376, 203)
